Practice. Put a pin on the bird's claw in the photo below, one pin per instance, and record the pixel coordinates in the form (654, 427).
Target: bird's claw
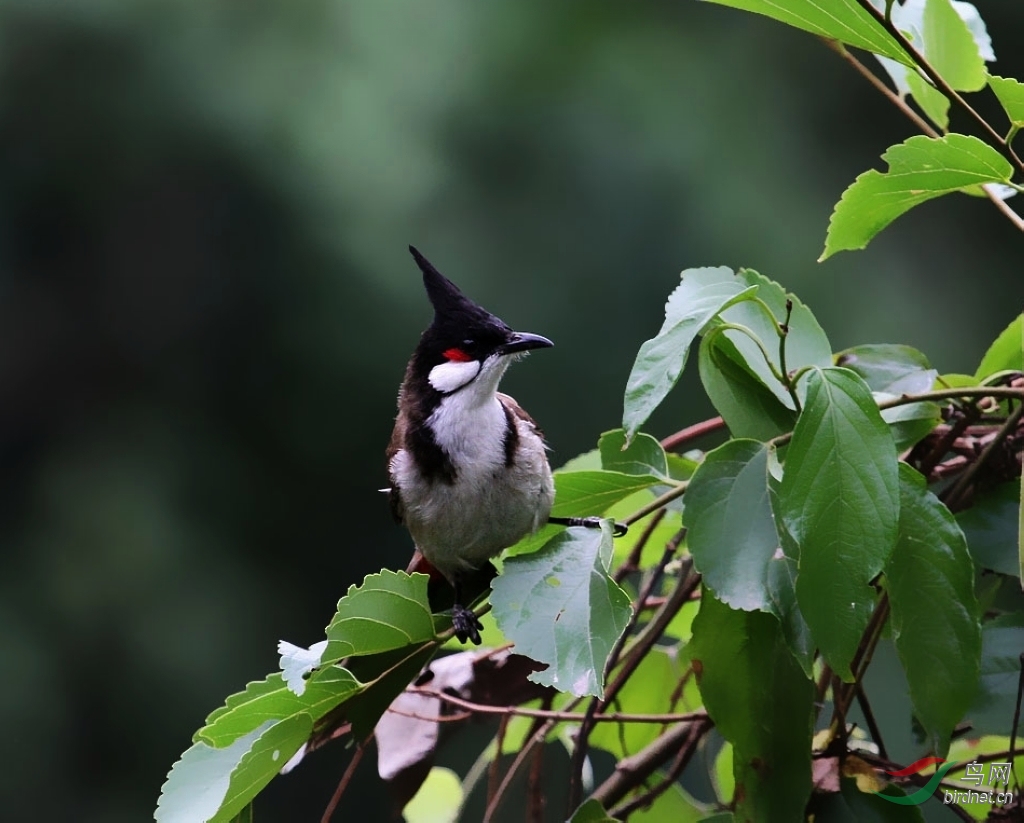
(618, 529)
(466, 624)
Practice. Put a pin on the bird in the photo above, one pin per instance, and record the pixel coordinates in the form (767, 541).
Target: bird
(468, 467)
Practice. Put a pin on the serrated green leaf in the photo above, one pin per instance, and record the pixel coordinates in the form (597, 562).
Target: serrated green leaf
(890, 368)
(1010, 93)
(992, 529)
(935, 615)
(272, 699)
(1007, 351)
(920, 169)
(950, 47)
(701, 294)
(745, 670)
(748, 407)
(731, 531)
(806, 343)
(389, 610)
(842, 20)
(588, 493)
(1002, 640)
(560, 607)
(929, 99)
(644, 456)
(386, 675)
(839, 500)
(212, 784)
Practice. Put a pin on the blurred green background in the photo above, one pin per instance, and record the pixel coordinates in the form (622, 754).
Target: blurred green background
(207, 304)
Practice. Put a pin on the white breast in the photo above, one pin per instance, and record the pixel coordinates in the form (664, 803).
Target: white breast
(490, 506)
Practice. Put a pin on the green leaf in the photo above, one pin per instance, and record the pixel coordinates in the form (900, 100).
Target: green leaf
(935, 615)
(245, 743)
(891, 371)
(889, 368)
(992, 529)
(560, 607)
(1011, 96)
(732, 534)
(911, 421)
(390, 610)
(920, 169)
(591, 812)
(272, 699)
(438, 799)
(246, 815)
(748, 407)
(213, 784)
(1002, 640)
(851, 805)
(806, 343)
(644, 456)
(761, 702)
(929, 99)
(701, 295)
(950, 47)
(1006, 353)
(587, 493)
(839, 500)
(842, 20)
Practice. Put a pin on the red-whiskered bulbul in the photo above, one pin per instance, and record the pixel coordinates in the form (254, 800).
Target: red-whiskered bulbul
(468, 467)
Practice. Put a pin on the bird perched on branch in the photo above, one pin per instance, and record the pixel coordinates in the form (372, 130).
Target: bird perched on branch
(468, 467)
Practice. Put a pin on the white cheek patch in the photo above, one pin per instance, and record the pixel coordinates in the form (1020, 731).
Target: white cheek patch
(453, 375)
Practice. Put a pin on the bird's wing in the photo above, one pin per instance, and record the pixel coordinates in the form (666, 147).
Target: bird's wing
(517, 412)
(396, 444)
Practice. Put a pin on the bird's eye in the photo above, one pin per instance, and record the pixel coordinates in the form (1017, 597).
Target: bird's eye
(468, 342)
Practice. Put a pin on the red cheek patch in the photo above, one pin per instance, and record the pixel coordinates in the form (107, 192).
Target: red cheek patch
(457, 355)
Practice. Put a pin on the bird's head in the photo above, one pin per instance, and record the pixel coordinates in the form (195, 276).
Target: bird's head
(465, 344)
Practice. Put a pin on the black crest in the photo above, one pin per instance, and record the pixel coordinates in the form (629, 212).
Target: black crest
(454, 313)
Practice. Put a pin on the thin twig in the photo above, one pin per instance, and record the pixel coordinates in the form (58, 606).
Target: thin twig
(658, 503)
(542, 714)
(579, 754)
(540, 731)
(684, 436)
(955, 493)
(632, 562)
(879, 85)
(631, 771)
(937, 79)
(346, 778)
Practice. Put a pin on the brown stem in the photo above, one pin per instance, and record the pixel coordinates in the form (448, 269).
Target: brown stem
(346, 778)
(631, 771)
(953, 496)
(684, 436)
(936, 78)
(579, 754)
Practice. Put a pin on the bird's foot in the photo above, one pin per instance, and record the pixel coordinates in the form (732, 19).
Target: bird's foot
(466, 624)
(618, 529)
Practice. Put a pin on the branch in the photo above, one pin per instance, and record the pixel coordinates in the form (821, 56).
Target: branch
(630, 772)
(543, 714)
(937, 79)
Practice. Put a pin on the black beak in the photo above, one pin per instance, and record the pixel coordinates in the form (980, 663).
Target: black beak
(524, 341)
